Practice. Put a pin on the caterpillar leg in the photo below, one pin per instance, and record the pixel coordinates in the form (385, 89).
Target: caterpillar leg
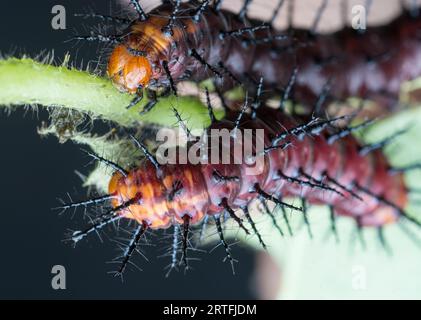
(138, 97)
(151, 103)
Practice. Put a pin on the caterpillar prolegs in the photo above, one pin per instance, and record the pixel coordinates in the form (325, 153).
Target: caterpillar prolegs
(197, 40)
(313, 160)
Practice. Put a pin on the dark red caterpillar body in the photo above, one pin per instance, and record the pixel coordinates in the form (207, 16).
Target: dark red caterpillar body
(194, 41)
(313, 161)
(202, 193)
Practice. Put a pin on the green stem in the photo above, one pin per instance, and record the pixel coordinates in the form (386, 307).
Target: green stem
(25, 81)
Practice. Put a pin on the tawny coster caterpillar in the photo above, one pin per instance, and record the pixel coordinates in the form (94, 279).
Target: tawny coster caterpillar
(313, 159)
(197, 40)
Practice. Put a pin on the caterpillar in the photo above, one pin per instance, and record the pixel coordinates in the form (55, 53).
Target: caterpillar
(198, 40)
(313, 159)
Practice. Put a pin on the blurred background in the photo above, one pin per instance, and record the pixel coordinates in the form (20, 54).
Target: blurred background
(35, 172)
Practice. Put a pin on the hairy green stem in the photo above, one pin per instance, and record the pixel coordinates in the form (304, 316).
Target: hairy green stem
(25, 81)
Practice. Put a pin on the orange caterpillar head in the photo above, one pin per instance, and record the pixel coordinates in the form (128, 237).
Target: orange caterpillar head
(128, 71)
(137, 60)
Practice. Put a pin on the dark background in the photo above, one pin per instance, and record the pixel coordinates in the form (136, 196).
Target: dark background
(35, 171)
